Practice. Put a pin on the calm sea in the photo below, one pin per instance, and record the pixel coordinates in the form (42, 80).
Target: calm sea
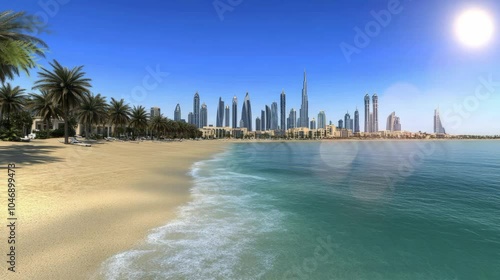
(332, 210)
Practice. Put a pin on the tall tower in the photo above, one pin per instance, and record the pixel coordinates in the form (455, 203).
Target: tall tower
(191, 118)
(227, 117)
(283, 110)
(246, 113)
(220, 114)
(341, 124)
(257, 124)
(321, 120)
(375, 113)
(438, 125)
(235, 112)
(263, 120)
(274, 116)
(292, 118)
(391, 121)
(304, 108)
(347, 121)
(367, 113)
(356, 121)
(196, 110)
(203, 115)
(268, 118)
(177, 113)
(313, 124)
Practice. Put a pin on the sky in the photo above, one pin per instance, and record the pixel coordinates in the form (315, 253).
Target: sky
(159, 53)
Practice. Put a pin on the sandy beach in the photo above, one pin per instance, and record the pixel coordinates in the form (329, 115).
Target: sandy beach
(78, 206)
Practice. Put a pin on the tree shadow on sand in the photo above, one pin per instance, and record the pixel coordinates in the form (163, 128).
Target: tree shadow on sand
(28, 154)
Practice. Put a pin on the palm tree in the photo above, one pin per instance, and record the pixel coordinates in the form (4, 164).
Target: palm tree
(11, 101)
(92, 110)
(119, 113)
(158, 124)
(139, 118)
(18, 51)
(42, 105)
(66, 88)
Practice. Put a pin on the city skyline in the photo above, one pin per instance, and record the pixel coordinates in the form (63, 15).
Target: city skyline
(410, 78)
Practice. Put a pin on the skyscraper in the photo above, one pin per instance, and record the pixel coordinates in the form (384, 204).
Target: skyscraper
(313, 124)
(263, 120)
(203, 115)
(356, 121)
(347, 121)
(177, 113)
(257, 124)
(390, 121)
(246, 113)
(375, 113)
(191, 118)
(283, 110)
(292, 119)
(220, 114)
(235, 112)
(227, 117)
(367, 113)
(397, 124)
(268, 118)
(304, 108)
(155, 111)
(322, 119)
(341, 124)
(196, 110)
(370, 120)
(274, 116)
(438, 125)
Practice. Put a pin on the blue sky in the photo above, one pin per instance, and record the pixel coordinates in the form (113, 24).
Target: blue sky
(414, 63)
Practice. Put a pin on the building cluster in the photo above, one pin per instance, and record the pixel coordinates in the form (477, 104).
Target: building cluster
(275, 121)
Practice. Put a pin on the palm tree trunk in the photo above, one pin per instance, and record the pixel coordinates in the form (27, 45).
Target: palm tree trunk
(66, 124)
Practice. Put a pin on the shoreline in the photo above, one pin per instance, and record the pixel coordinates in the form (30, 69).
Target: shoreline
(78, 206)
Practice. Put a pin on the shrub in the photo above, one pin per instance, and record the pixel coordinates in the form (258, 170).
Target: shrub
(10, 134)
(60, 132)
(43, 134)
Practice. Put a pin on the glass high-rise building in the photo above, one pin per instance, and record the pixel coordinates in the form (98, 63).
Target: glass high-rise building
(196, 110)
(283, 111)
(304, 108)
(219, 122)
(347, 121)
(235, 112)
(203, 115)
(368, 124)
(356, 121)
(321, 120)
(313, 124)
(390, 121)
(263, 120)
(341, 124)
(268, 118)
(191, 118)
(227, 116)
(155, 111)
(257, 124)
(177, 113)
(274, 116)
(246, 113)
(438, 125)
(375, 113)
(292, 119)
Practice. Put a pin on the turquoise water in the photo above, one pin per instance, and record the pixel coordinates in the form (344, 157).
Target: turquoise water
(332, 210)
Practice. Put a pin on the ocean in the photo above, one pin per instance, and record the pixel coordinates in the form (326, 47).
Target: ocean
(332, 210)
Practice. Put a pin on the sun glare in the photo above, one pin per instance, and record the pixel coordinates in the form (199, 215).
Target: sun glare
(474, 28)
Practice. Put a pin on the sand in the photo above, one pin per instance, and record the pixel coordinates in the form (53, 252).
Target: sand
(78, 206)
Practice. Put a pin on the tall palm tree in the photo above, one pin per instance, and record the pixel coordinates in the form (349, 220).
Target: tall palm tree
(158, 124)
(139, 118)
(91, 111)
(42, 105)
(18, 51)
(11, 100)
(66, 88)
(119, 113)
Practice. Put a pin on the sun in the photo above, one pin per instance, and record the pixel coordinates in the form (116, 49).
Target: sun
(474, 28)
